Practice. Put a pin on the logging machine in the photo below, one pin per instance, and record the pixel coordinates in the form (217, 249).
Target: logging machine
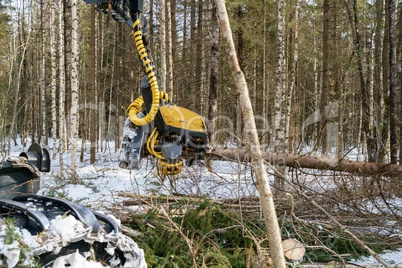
(154, 126)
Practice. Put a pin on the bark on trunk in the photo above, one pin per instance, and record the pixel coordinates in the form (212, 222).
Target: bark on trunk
(93, 110)
(393, 82)
(267, 202)
(169, 50)
(74, 89)
(213, 102)
(62, 88)
(312, 162)
(43, 120)
(162, 40)
(54, 76)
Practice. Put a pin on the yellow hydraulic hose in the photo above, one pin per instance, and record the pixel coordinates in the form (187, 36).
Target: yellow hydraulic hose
(151, 144)
(164, 167)
(136, 106)
(148, 68)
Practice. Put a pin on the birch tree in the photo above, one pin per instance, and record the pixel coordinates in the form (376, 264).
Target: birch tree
(62, 88)
(280, 92)
(74, 116)
(54, 76)
(92, 71)
(43, 134)
(267, 202)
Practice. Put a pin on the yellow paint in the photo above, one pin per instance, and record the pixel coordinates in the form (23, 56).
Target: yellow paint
(182, 118)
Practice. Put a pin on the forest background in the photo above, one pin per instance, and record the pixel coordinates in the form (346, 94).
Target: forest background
(326, 74)
(324, 77)
(322, 74)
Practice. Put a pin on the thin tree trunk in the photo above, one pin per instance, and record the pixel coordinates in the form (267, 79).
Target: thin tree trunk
(74, 116)
(399, 56)
(393, 81)
(53, 53)
(198, 74)
(169, 85)
(93, 109)
(184, 75)
(43, 134)
(365, 99)
(294, 106)
(280, 94)
(101, 97)
(378, 96)
(162, 40)
(190, 83)
(385, 86)
(109, 124)
(267, 202)
(151, 25)
(62, 89)
(213, 102)
(265, 95)
(321, 126)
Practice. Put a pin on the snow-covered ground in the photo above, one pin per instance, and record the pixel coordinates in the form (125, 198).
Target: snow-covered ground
(99, 185)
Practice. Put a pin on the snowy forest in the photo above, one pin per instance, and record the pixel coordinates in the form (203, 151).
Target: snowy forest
(324, 82)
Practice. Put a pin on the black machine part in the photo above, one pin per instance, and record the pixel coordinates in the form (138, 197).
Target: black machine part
(38, 157)
(21, 175)
(50, 204)
(102, 234)
(121, 10)
(132, 146)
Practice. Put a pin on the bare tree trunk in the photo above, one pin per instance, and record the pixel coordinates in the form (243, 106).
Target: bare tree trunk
(189, 82)
(101, 97)
(162, 40)
(43, 134)
(183, 77)
(365, 99)
(399, 56)
(265, 95)
(74, 89)
(385, 79)
(213, 102)
(267, 202)
(393, 82)
(53, 53)
(294, 105)
(198, 74)
(321, 126)
(62, 89)
(151, 25)
(93, 108)
(280, 94)
(169, 85)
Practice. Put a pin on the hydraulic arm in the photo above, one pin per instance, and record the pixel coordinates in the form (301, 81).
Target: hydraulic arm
(154, 126)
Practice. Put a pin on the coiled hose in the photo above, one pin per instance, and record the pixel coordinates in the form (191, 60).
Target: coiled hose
(136, 106)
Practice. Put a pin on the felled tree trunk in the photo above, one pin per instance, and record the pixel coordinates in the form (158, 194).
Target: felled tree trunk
(313, 162)
(266, 197)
